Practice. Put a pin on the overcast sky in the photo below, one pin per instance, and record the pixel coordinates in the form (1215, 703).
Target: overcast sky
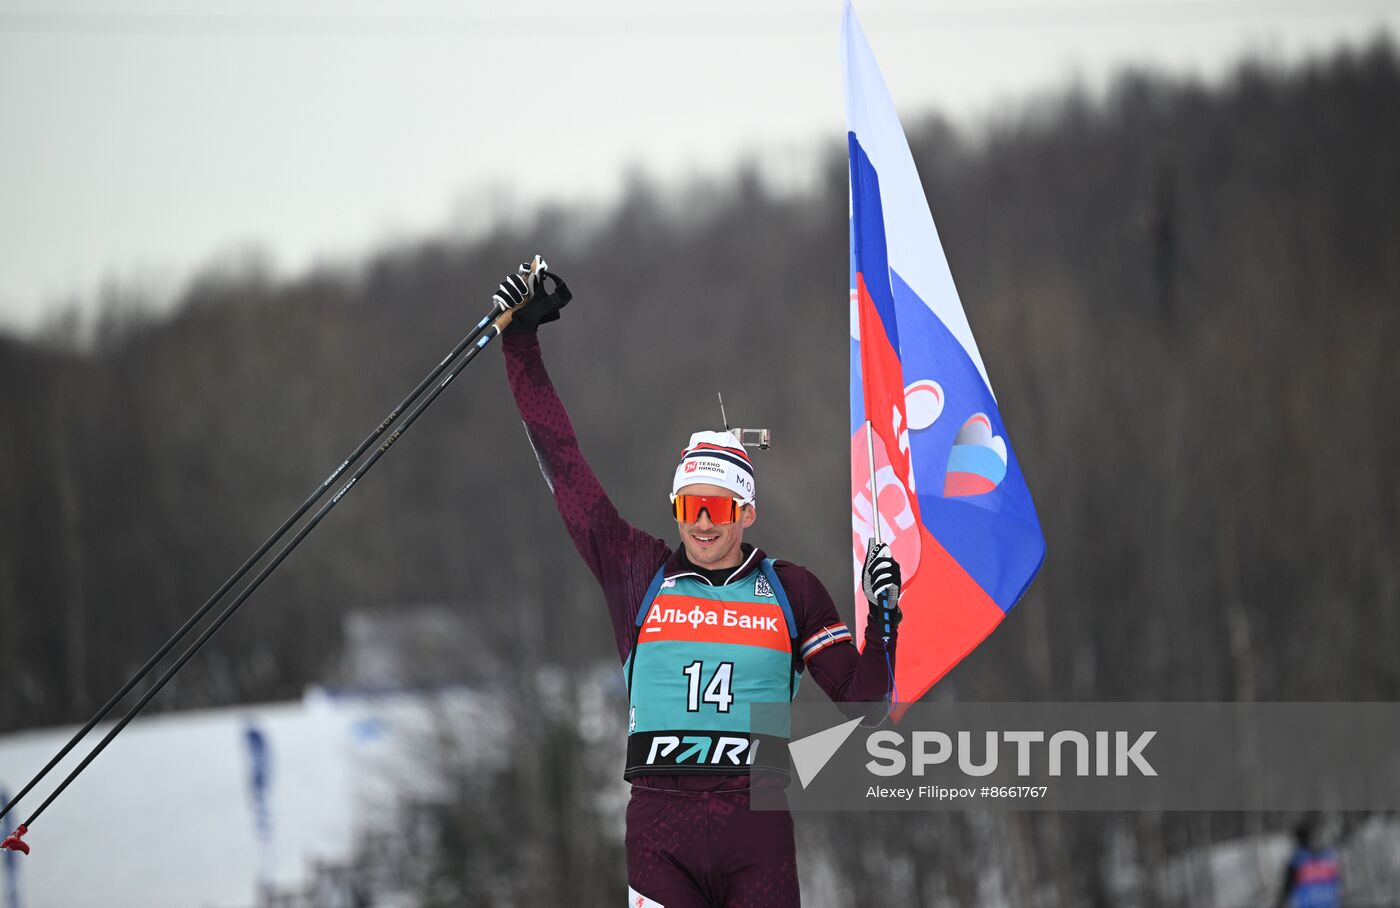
(140, 139)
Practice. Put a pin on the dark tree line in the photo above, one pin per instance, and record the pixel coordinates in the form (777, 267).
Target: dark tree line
(1188, 297)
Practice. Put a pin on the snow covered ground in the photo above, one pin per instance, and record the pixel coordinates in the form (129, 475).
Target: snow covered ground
(164, 817)
(1248, 872)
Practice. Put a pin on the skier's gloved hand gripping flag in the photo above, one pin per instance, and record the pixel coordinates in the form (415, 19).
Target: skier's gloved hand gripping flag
(953, 504)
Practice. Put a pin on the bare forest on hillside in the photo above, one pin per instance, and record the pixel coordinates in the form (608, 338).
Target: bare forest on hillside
(1188, 300)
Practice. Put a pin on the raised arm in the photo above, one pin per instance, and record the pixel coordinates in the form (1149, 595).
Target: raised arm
(622, 557)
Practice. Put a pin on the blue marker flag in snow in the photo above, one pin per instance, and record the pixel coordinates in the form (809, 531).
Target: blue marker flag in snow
(949, 493)
(259, 769)
(259, 783)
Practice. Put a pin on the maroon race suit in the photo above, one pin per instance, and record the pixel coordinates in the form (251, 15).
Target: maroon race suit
(692, 841)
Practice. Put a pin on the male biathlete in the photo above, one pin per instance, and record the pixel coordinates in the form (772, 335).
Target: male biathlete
(703, 631)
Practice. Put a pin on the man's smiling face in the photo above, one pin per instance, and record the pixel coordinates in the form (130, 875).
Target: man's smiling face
(711, 545)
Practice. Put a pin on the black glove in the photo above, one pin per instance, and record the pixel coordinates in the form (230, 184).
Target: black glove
(524, 292)
(880, 575)
(512, 292)
(521, 285)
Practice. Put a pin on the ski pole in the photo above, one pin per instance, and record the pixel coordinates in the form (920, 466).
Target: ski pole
(257, 556)
(15, 842)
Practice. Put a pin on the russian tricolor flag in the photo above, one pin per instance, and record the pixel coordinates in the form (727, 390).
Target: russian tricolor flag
(952, 501)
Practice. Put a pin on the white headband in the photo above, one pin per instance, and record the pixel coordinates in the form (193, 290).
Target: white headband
(715, 458)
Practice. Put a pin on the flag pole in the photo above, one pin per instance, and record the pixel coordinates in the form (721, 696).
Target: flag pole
(874, 489)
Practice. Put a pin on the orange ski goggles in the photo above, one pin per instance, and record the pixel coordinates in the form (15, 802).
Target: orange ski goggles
(722, 508)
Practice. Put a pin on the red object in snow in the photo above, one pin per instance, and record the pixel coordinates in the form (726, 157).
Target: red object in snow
(15, 841)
